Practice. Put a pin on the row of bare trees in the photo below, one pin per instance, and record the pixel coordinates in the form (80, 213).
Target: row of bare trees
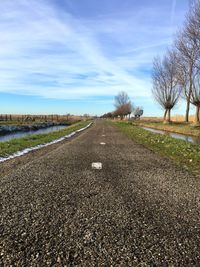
(177, 73)
(124, 107)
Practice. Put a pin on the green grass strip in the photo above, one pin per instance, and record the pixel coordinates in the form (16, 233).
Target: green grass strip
(12, 146)
(183, 153)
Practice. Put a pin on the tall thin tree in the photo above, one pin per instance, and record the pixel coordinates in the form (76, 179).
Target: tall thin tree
(188, 46)
(166, 89)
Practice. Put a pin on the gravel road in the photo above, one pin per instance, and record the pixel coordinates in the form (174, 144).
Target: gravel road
(138, 210)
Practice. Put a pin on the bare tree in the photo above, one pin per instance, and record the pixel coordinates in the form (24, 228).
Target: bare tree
(121, 99)
(107, 115)
(195, 98)
(123, 105)
(128, 108)
(166, 89)
(68, 115)
(188, 46)
(193, 24)
(120, 112)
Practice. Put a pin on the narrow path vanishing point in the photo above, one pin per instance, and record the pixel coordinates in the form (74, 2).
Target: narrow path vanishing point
(139, 209)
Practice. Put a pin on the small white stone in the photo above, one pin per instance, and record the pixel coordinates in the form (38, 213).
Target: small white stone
(97, 165)
(103, 144)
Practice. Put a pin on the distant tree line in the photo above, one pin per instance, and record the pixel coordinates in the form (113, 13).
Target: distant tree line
(123, 108)
(177, 74)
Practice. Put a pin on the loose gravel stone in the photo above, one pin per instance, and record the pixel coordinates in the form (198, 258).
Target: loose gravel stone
(139, 210)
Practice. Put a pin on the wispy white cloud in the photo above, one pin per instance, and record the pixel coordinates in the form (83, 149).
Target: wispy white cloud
(173, 10)
(48, 52)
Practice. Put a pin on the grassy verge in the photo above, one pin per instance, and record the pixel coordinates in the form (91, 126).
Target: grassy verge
(10, 147)
(183, 153)
(175, 127)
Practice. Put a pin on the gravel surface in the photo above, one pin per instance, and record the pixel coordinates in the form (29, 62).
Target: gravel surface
(138, 210)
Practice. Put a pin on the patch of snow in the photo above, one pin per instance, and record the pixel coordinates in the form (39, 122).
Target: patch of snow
(27, 150)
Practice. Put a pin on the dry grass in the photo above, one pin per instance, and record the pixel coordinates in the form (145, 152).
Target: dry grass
(175, 118)
(151, 119)
(181, 118)
(26, 118)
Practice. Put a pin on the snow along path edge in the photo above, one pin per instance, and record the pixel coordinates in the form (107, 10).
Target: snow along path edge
(27, 150)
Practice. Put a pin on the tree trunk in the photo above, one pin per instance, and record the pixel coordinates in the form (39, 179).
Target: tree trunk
(187, 110)
(164, 117)
(169, 115)
(197, 117)
(188, 101)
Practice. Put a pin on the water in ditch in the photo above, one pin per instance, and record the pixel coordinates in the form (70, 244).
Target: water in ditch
(188, 138)
(13, 135)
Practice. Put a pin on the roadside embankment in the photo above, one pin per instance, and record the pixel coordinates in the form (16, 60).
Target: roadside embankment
(185, 154)
(23, 145)
(5, 129)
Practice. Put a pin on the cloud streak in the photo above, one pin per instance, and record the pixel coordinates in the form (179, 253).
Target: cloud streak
(174, 2)
(49, 52)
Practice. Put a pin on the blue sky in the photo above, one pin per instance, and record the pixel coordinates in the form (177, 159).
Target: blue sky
(74, 56)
